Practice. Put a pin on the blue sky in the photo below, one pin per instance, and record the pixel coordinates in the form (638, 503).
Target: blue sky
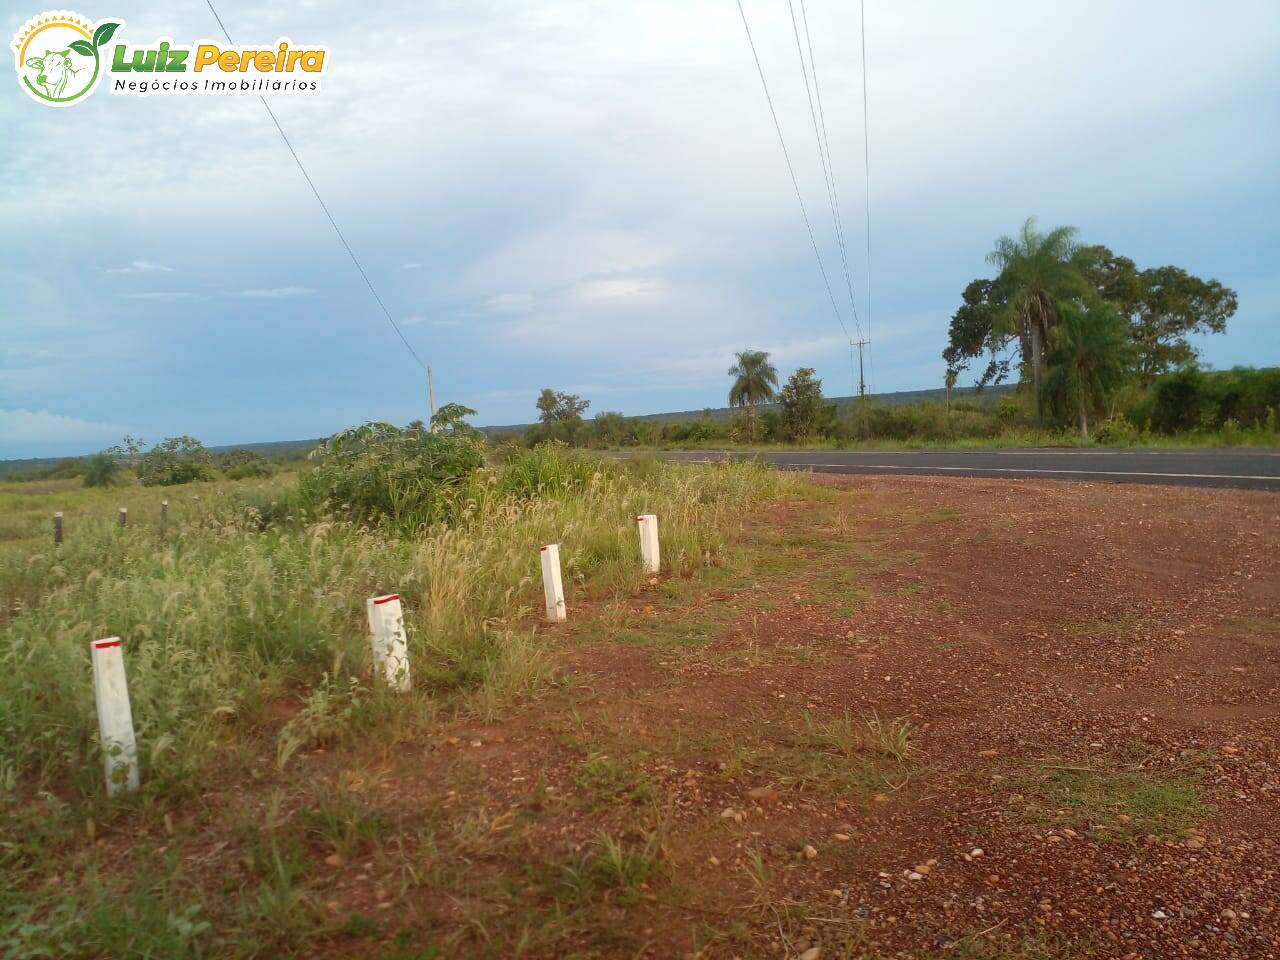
(590, 196)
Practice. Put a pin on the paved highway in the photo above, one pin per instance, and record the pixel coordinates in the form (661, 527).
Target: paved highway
(1234, 467)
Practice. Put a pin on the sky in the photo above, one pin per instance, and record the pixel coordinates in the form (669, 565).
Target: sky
(591, 196)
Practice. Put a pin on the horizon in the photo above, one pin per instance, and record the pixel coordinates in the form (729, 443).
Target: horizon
(593, 199)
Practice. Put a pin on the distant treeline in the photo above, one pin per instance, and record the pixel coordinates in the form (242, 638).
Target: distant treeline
(1235, 406)
(238, 458)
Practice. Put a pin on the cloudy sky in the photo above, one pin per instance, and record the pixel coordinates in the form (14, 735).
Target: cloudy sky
(591, 196)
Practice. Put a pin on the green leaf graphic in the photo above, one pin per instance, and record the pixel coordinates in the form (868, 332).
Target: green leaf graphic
(82, 47)
(104, 33)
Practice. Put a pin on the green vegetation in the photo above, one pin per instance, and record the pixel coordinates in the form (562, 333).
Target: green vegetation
(1087, 364)
(1035, 276)
(174, 461)
(1120, 799)
(559, 417)
(247, 656)
(754, 383)
(1046, 280)
(244, 465)
(1188, 407)
(253, 596)
(380, 473)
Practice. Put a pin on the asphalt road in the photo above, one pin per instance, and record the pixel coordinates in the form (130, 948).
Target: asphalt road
(1254, 469)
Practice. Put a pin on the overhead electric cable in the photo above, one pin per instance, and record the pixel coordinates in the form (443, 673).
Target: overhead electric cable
(323, 206)
(824, 155)
(791, 170)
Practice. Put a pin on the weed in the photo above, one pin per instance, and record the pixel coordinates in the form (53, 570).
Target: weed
(1112, 799)
(608, 869)
(614, 780)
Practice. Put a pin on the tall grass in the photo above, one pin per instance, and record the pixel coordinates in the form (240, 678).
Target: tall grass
(242, 607)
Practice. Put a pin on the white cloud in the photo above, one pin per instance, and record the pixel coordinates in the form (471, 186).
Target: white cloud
(43, 427)
(410, 266)
(621, 288)
(141, 266)
(277, 293)
(159, 295)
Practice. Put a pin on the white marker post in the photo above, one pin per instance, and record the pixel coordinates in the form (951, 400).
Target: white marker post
(648, 525)
(115, 718)
(390, 647)
(552, 585)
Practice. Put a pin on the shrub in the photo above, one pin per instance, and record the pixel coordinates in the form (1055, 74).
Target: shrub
(1116, 430)
(175, 460)
(801, 399)
(1231, 432)
(1176, 400)
(101, 470)
(243, 464)
(547, 470)
(379, 472)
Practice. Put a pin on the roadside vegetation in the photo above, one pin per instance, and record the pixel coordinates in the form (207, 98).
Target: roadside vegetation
(1188, 407)
(246, 645)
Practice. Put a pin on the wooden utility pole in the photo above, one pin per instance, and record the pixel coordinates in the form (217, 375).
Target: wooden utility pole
(431, 392)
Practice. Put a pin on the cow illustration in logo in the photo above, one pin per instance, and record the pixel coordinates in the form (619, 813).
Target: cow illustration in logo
(56, 71)
(58, 56)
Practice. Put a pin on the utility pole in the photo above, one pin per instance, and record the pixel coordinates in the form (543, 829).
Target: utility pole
(431, 392)
(862, 383)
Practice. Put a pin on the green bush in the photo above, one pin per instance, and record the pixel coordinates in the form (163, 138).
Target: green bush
(1116, 430)
(379, 472)
(244, 464)
(1191, 399)
(176, 460)
(101, 470)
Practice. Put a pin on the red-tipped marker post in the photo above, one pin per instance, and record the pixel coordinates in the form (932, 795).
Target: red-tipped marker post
(649, 552)
(115, 718)
(390, 645)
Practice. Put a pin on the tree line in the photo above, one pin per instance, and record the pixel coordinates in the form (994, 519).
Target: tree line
(1082, 321)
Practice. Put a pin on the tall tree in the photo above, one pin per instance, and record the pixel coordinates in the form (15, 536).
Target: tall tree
(973, 333)
(755, 379)
(561, 413)
(1089, 361)
(801, 399)
(1036, 273)
(1163, 306)
(949, 381)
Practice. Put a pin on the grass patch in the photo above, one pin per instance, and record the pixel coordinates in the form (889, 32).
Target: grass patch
(614, 781)
(839, 757)
(1112, 800)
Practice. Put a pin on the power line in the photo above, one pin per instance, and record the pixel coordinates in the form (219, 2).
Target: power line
(323, 206)
(791, 170)
(828, 165)
(866, 167)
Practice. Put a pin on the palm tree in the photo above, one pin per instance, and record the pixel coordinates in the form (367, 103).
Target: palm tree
(1090, 359)
(949, 381)
(1036, 273)
(755, 379)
